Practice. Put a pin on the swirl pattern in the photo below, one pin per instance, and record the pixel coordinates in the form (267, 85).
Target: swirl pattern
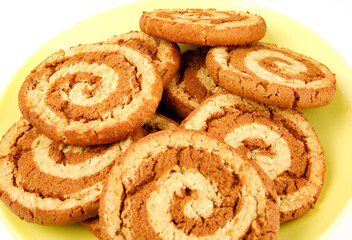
(156, 123)
(182, 184)
(165, 55)
(50, 183)
(90, 94)
(272, 75)
(203, 26)
(281, 142)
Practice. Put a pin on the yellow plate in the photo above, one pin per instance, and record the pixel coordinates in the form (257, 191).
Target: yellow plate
(332, 123)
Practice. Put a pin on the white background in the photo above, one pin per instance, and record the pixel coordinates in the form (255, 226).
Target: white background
(27, 25)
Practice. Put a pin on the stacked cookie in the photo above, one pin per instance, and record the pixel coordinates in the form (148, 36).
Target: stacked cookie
(242, 161)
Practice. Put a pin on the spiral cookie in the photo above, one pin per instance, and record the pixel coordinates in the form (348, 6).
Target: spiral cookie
(156, 123)
(184, 184)
(191, 85)
(203, 26)
(166, 55)
(272, 75)
(92, 94)
(281, 142)
(45, 182)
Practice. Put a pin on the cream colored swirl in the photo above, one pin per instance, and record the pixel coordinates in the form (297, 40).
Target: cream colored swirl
(286, 65)
(89, 94)
(203, 184)
(47, 165)
(272, 165)
(110, 77)
(207, 198)
(33, 201)
(209, 17)
(76, 94)
(281, 158)
(38, 158)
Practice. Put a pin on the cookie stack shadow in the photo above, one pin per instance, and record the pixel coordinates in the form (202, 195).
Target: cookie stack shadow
(168, 145)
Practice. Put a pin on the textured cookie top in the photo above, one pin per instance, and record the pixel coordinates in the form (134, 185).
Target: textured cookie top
(281, 142)
(49, 183)
(272, 75)
(156, 123)
(203, 26)
(191, 85)
(177, 184)
(165, 55)
(91, 94)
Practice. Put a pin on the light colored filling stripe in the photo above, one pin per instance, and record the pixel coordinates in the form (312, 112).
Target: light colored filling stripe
(253, 192)
(273, 166)
(291, 201)
(194, 18)
(73, 171)
(36, 97)
(31, 201)
(76, 95)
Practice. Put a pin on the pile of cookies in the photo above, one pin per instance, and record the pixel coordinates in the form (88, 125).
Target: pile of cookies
(163, 145)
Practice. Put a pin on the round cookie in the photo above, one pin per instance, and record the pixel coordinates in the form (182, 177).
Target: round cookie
(48, 183)
(272, 75)
(156, 123)
(280, 141)
(203, 26)
(191, 85)
(180, 184)
(166, 55)
(91, 94)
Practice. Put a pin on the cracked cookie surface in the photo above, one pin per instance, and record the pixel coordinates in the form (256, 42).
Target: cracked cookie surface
(91, 94)
(272, 75)
(281, 142)
(203, 26)
(48, 183)
(156, 123)
(184, 184)
(165, 55)
(191, 85)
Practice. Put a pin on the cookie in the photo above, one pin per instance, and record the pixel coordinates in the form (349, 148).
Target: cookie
(272, 75)
(203, 26)
(191, 85)
(280, 141)
(156, 123)
(166, 55)
(177, 184)
(48, 183)
(91, 94)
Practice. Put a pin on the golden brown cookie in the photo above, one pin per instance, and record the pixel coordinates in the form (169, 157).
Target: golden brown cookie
(166, 55)
(91, 94)
(45, 182)
(272, 75)
(178, 184)
(156, 123)
(191, 85)
(203, 26)
(280, 141)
